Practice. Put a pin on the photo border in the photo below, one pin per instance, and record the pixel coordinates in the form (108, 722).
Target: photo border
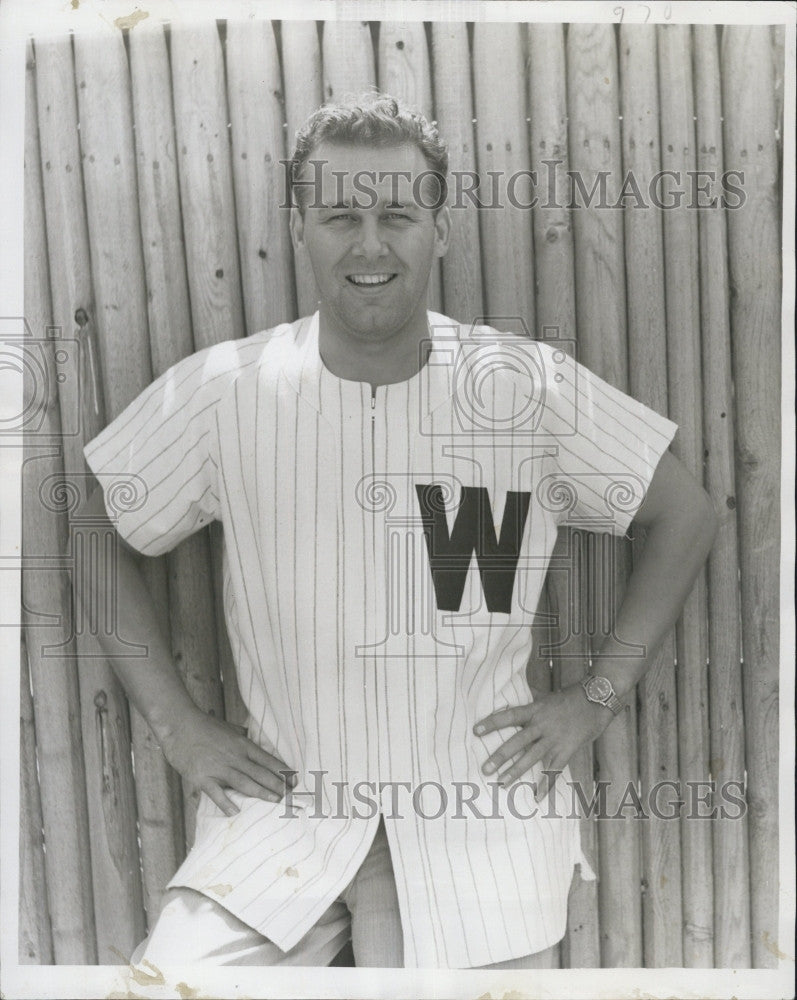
(17, 19)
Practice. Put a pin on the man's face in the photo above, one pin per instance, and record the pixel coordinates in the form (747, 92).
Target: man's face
(370, 240)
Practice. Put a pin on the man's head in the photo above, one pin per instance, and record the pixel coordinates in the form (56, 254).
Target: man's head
(371, 220)
(370, 120)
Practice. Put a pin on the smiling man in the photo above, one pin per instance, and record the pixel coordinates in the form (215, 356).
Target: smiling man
(390, 483)
(371, 240)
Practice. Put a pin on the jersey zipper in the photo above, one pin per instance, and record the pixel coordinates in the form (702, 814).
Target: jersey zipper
(373, 429)
(374, 638)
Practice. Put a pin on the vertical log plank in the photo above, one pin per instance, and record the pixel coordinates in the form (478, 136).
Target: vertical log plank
(168, 305)
(755, 309)
(453, 108)
(347, 57)
(647, 349)
(731, 862)
(45, 591)
(254, 92)
(403, 64)
(594, 143)
(116, 875)
(206, 189)
(503, 155)
(301, 77)
(556, 322)
(682, 270)
(109, 172)
(35, 934)
(779, 71)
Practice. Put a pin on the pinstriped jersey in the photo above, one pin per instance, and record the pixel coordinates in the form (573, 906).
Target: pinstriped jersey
(384, 553)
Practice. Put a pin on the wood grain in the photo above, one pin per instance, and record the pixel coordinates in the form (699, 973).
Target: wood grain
(115, 862)
(45, 588)
(206, 189)
(556, 324)
(682, 272)
(647, 350)
(727, 763)
(256, 104)
(301, 80)
(168, 305)
(347, 56)
(453, 110)
(503, 149)
(755, 311)
(110, 181)
(594, 145)
(35, 933)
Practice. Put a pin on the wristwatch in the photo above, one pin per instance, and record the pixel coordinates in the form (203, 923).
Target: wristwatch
(600, 691)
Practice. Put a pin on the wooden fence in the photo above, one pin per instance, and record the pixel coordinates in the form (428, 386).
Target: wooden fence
(152, 229)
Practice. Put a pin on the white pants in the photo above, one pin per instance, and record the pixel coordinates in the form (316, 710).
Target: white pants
(194, 929)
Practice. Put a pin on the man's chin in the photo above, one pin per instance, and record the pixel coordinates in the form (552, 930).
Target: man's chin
(376, 322)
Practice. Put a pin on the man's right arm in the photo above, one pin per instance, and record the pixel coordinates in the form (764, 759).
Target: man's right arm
(211, 755)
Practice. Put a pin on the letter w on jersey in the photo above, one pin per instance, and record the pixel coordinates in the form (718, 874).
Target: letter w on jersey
(473, 531)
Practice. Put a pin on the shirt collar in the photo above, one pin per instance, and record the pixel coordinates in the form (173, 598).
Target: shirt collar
(436, 380)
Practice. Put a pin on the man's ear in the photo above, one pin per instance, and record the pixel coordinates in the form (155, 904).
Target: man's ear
(297, 228)
(442, 230)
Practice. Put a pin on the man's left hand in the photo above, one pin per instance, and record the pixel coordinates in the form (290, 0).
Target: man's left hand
(553, 727)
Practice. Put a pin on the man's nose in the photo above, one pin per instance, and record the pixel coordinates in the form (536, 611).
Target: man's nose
(370, 241)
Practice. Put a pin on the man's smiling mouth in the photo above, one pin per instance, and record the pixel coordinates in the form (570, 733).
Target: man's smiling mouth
(369, 280)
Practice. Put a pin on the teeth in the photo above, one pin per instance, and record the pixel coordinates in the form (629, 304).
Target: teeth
(370, 279)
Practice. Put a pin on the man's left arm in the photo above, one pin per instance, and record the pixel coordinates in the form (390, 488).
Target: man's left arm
(681, 525)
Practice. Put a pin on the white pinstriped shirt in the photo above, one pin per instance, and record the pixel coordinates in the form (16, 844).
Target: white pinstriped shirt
(368, 632)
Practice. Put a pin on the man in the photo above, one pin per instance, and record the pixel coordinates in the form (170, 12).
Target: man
(390, 485)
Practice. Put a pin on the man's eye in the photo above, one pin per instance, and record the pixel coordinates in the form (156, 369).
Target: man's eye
(396, 216)
(341, 217)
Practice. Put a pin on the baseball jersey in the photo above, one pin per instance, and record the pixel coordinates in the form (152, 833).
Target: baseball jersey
(384, 553)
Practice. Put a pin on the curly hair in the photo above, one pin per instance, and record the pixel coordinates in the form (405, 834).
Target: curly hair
(370, 119)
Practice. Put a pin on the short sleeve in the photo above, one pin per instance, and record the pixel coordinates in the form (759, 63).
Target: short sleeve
(606, 445)
(154, 461)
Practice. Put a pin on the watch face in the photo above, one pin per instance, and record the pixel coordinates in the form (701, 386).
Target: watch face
(598, 688)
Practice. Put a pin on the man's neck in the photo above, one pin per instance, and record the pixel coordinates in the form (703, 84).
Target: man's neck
(383, 363)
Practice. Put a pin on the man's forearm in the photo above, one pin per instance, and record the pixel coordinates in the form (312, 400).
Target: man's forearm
(681, 525)
(663, 576)
(151, 682)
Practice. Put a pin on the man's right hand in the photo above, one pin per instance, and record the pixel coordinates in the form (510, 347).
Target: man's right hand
(212, 756)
